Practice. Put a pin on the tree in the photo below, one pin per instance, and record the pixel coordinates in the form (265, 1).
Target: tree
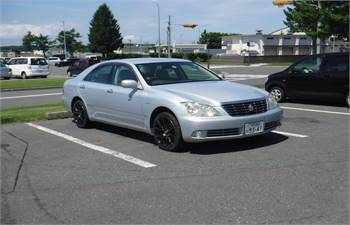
(213, 39)
(42, 43)
(104, 34)
(32, 42)
(332, 17)
(72, 42)
(335, 18)
(28, 41)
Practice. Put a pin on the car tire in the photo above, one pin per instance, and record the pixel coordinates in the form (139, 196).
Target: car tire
(347, 99)
(167, 132)
(80, 114)
(24, 75)
(278, 93)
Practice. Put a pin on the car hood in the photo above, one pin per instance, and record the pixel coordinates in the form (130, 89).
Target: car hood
(213, 92)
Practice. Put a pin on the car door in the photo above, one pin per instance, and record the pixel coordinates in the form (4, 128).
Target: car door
(305, 79)
(336, 70)
(12, 64)
(94, 91)
(126, 103)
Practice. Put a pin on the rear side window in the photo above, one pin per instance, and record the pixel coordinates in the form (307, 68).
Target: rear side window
(102, 74)
(337, 65)
(38, 61)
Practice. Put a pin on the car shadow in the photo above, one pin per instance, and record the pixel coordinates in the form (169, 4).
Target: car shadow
(124, 132)
(236, 145)
(205, 148)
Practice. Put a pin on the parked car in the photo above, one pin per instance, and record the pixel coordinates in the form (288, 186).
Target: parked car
(79, 66)
(320, 77)
(66, 62)
(53, 60)
(5, 72)
(174, 100)
(25, 67)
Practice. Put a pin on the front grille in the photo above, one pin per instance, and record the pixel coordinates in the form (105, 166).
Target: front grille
(271, 125)
(245, 108)
(223, 132)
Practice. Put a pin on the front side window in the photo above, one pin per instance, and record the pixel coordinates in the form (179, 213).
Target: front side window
(308, 65)
(102, 74)
(123, 73)
(174, 72)
(21, 61)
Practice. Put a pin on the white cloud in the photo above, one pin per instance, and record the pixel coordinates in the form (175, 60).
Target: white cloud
(19, 30)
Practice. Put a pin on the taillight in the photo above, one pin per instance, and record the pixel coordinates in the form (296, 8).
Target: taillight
(29, 67)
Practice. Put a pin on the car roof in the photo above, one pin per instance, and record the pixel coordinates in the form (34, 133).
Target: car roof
(148, 60)
(31, 57)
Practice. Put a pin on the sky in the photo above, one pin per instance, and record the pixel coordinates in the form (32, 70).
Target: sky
(138, 18)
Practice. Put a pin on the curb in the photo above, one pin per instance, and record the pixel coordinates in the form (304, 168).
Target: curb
(58, 115)
(29, 89)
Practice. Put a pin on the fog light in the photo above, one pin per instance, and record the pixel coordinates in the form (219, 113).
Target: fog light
(199, 134)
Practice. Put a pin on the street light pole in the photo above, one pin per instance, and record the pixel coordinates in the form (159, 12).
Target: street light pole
(64, 40)
(158, 9)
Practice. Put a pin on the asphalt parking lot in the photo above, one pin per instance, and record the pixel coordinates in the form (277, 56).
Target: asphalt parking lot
(53, 172)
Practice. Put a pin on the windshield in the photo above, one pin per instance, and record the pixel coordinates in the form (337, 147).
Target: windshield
(174, 72)
(38, 61)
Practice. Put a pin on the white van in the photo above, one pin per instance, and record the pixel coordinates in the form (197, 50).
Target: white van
(29, 67)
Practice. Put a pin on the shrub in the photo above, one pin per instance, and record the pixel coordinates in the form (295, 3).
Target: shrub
(191, 56)
(178, 55)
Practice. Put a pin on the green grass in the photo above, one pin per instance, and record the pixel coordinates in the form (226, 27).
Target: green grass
(32, 83)
(27, 114)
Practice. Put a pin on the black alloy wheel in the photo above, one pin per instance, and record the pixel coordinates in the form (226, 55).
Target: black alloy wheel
(80, 114)
(167, 132)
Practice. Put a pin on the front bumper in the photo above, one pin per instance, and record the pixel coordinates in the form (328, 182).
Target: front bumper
(227, 127)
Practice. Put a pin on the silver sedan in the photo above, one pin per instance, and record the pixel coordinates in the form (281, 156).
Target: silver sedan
(5, 72)
(174, 100)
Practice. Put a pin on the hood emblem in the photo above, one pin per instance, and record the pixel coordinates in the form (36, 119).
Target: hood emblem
(250, 108)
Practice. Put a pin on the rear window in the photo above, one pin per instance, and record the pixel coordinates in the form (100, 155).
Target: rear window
(38, 61)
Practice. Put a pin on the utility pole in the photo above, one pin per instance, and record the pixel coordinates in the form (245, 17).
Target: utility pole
(318, 41)
(158, 9)
(64, 40)
(169, 38)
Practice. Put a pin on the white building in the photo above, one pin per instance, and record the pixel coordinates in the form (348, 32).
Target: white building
(280, 42)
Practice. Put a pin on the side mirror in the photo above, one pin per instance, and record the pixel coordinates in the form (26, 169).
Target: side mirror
(222, 75)
(129, 84)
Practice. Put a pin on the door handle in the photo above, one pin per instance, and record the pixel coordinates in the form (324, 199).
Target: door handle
(82, 86)
(110, 91)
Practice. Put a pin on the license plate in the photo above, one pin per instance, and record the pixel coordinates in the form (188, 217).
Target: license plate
(253, 128)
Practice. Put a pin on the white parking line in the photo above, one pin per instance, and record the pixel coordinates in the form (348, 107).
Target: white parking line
(116, 154)
(290, 134)
(30, 96)
(314, 110)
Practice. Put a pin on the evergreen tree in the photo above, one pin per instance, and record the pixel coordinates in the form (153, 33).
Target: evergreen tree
(28, 41)
(332, 16)
(104, 35)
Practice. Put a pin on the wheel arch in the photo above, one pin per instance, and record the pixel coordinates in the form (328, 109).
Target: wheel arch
(158, 110)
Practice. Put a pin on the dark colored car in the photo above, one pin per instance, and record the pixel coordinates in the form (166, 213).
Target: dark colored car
(319, 77)
(79, 66)
(66, 62)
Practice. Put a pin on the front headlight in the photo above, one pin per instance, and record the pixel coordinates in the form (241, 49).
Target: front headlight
(272, 102)
(200, 110)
